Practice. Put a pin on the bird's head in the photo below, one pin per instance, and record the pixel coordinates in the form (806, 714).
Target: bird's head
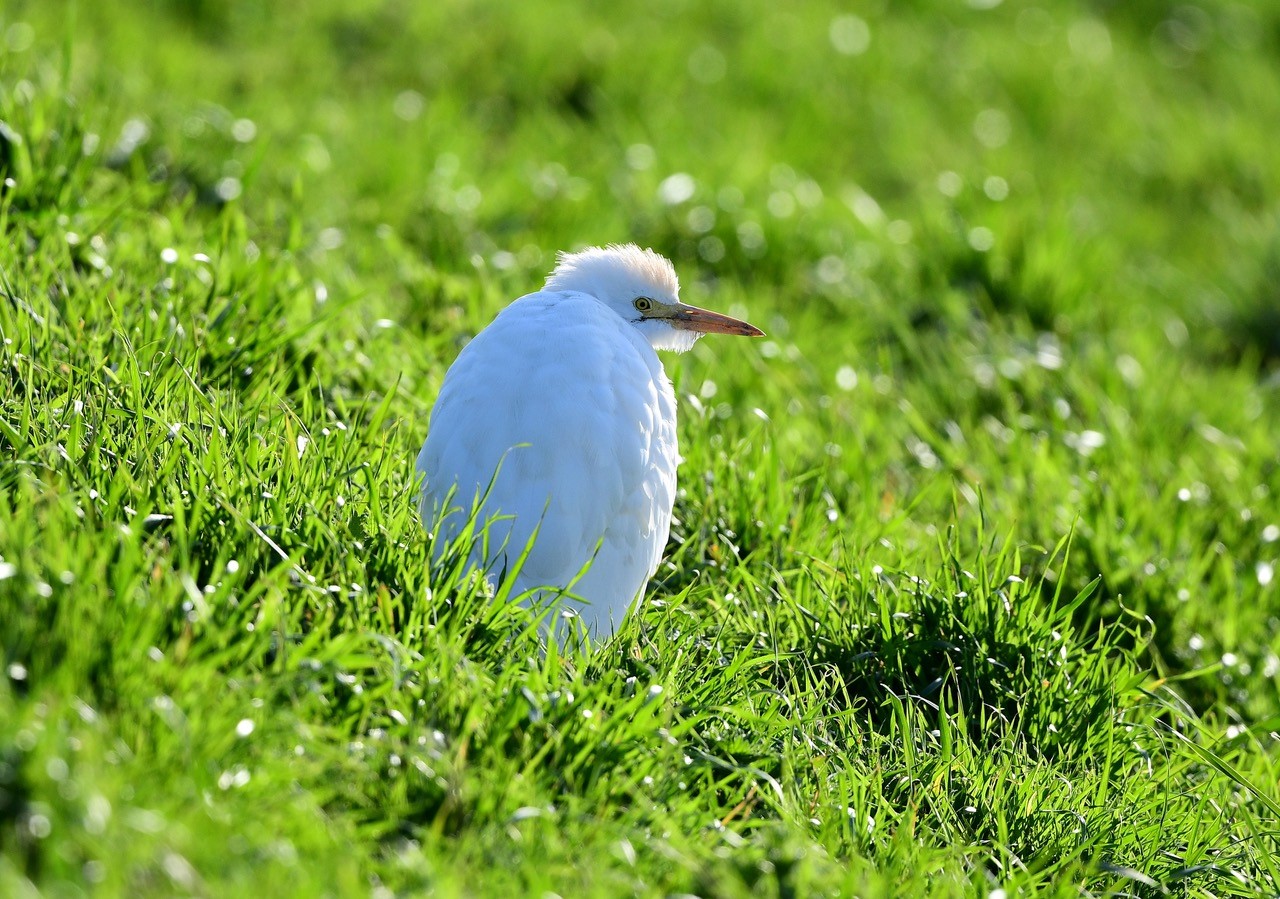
(641, 286)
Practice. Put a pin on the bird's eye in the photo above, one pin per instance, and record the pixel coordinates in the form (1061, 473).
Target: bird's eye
(644, 304)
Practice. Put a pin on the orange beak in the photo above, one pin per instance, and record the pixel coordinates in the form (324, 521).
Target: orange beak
(704, 321)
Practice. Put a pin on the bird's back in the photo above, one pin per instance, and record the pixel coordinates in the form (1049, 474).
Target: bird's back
(563, 414)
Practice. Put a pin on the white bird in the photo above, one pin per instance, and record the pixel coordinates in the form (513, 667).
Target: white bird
(557, 426)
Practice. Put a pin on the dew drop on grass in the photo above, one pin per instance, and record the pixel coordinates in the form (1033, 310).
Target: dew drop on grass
(808, 193)
(467, 198)
(701, 219)
(244, 130)
(781, 204)
(1089, 441)
(408, 105)
(730, 198)
(751, 239)
(1266, 572)
(1090, 40)
(228, 189)
(179, 870)
(628, 851)
(96, 814)
(981, 238)
(233, 777)
(831, 269)
(676, 189)
(849, 35)
(57, 769)
(865, 207)
(1130, 370)
(39, 826)
(992, 128)
(640, 157)
(19, 36)
(899, 231)
(711, 248)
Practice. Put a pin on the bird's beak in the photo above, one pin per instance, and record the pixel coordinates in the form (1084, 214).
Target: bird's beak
(704, 321)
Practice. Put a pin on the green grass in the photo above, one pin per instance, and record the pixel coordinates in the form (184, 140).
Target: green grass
(971, 583)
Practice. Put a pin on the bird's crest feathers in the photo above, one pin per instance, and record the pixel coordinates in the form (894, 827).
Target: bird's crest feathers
(586, 269)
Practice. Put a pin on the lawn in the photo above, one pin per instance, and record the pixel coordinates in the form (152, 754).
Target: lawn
(971, 589)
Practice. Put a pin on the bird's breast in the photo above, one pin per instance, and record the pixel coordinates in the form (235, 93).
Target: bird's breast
(560, 416)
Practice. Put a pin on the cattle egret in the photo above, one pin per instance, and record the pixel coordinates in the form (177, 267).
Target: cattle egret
(557, 427)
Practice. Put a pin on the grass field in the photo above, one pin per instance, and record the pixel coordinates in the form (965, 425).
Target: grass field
(972, 586)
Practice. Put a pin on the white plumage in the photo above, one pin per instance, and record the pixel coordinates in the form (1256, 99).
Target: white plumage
(560, 416)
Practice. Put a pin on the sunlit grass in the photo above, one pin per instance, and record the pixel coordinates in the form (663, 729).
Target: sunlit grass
(971, 582)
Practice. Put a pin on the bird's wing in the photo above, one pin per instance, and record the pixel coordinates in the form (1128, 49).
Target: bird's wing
(559, 398)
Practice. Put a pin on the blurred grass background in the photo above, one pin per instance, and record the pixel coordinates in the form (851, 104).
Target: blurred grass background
(1018, 263)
